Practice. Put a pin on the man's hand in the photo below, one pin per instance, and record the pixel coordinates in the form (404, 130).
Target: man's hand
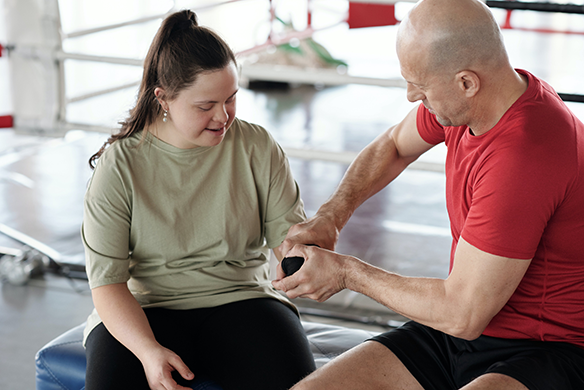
(320, 230)
(159, 366)
(321, 276)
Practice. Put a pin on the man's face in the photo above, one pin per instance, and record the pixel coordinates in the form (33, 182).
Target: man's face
(439, 91)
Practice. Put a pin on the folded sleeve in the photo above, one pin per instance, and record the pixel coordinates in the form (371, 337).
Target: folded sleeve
(284, 204)
(106, 227)
(428, 127)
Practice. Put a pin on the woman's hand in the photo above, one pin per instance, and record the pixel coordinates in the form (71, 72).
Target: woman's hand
(159, 365)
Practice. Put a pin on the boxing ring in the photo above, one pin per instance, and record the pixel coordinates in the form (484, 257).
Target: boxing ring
(43, 175)
(53, 120)
(40, 61)
(49, 115)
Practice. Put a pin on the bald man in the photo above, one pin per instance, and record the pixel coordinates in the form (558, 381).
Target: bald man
(510, 315)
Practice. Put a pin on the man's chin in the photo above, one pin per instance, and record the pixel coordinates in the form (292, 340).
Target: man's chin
(443, 122)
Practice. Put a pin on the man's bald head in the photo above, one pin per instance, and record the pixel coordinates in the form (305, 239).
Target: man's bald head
(453, 35)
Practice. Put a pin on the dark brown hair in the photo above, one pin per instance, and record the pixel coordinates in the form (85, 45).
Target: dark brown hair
(180, 51)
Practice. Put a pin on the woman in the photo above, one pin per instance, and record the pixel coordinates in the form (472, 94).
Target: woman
(180, 212)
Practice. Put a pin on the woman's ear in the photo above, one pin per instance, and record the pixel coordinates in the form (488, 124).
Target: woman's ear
(160, 96)
(469, 82)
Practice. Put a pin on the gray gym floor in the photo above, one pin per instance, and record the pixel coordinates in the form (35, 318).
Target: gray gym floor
(404, 228)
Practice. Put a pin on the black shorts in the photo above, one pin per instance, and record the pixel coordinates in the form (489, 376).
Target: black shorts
(439, 361)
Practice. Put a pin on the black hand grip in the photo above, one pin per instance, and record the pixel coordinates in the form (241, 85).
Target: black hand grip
(292, 264)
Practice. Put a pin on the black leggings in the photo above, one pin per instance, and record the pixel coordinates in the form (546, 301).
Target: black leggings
(252, 344)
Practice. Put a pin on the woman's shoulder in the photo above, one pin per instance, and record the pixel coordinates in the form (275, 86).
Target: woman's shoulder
(119, 157)
(258, 144)
(250, 130)
(251, 136)
(122, 148)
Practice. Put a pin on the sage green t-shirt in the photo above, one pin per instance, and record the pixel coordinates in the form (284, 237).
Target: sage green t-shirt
(189, 228)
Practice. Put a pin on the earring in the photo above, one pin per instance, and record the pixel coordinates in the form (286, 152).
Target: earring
(165, 116)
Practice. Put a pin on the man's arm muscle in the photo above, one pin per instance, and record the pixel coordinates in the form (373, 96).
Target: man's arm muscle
(462, 305)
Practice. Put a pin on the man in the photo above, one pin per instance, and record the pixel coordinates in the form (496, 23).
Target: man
(510, 315)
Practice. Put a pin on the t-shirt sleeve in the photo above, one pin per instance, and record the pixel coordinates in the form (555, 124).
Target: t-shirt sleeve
(106, 228)
(515, 193)
(428, 127)
(284, 204)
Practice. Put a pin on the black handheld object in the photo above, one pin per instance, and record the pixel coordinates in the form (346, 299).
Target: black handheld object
(292, 264)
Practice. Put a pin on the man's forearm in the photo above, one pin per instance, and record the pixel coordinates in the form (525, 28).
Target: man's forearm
(419, 299)
(462, 305)
(374, 168)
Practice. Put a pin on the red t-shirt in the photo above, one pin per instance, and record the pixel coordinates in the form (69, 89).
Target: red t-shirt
(518, 191)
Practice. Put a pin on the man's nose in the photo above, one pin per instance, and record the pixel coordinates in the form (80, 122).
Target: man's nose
(414, 93)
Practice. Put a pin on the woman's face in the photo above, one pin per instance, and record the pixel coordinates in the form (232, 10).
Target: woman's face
(202, 113)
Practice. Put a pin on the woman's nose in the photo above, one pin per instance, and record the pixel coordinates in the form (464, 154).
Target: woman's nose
(221, 114)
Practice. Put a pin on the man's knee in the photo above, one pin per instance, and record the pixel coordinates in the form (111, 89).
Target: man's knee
(305, 384)
(494, 381)
(367, 366)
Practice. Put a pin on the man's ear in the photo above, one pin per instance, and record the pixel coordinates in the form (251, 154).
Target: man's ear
(469, 82)
(161, 97)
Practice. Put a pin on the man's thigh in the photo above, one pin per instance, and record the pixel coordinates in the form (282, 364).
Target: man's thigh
(440, 362)
(495, 382)
(368, 366)
(543, 365)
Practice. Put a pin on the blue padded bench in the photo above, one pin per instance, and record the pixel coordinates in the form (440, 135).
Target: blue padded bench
(60, 365)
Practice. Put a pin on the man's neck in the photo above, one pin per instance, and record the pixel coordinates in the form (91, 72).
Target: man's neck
(496, 102)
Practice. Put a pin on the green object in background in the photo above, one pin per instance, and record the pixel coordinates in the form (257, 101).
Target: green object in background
(322, 53)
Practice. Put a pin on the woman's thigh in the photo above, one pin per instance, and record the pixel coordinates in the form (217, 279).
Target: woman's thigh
(110, 365)
(255, 344)
(252, 344)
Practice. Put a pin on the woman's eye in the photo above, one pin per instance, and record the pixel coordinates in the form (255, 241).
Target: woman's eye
(204, 108)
